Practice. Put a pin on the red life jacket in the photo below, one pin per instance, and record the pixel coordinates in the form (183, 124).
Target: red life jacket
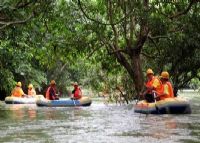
(48, 93)
(77, 93)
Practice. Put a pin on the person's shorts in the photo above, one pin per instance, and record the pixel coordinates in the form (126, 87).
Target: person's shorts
(149, 98)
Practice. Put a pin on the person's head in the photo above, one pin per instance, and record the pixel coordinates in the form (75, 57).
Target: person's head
(164, 76)
(75, 84)
(19, 84)
(52, 83)
(30, 86)
(149, 73)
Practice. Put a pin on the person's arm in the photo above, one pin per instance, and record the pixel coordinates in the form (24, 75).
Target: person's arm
(164, 92)
(72, 93)
(158, 95)
(149, 87)
(156, 84)
(80, 92)
(22, 93)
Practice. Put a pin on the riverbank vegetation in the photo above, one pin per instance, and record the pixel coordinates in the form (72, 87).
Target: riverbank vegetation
(104, 45)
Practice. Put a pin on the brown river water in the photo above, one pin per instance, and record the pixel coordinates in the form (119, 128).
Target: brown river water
(98, 123)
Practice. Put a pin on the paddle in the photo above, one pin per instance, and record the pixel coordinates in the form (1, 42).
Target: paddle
(154, 95)
(72, 98)
(74, 101)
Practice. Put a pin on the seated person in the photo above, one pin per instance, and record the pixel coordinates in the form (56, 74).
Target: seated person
(51, 91)
(77, 94)
(153, 85)
(31, 91)
(167, 87)
(17, 91)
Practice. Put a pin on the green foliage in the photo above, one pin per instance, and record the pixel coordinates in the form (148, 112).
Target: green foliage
(194, 83)
(59, 42)
(7, 80)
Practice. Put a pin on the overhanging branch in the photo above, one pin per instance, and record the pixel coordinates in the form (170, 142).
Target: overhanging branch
(119, 50)
(152, 40)
(6, 24)
(99, 22)
(148, 55)
(192, 2)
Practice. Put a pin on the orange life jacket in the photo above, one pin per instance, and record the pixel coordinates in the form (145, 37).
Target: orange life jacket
(168, 90)
(171, 92)
(17, 92)
(157, 86)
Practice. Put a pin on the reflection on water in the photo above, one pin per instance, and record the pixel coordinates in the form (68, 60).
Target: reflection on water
(99, 123)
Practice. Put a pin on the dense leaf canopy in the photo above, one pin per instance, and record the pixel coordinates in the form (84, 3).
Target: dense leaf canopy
(101, 44)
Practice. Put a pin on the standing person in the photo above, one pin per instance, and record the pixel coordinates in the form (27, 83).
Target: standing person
(77, 94)
(167, 87)
(153, 85)
(17, 91)
(51, 91)
(31, 91)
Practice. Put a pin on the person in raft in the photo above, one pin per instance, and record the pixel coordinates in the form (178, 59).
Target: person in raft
(31, 91)
(17, 91)
(167, 87)
(51, 91)
(153, 85)
(76, 93)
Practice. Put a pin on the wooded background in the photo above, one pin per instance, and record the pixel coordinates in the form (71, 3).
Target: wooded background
(102, 44)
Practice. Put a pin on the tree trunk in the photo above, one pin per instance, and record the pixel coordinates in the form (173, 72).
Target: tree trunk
(137, 74)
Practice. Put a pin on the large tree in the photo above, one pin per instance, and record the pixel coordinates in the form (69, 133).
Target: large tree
(126, 27)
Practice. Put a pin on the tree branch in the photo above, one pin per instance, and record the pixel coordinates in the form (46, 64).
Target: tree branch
(6, 24)
(185, 11)
(110, 15)
(152, 40)
(158, 37)
(144, 31)
(119, 50)
(94, 50)
(148, 55)
(99, 22)
(21, 4)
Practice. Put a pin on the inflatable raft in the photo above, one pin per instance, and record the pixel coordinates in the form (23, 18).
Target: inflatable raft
(167, 106)
(84, 101)
(20, 100)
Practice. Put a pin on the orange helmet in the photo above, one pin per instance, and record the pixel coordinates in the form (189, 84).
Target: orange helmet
(165, 75)
(19, 84)
(149, 71)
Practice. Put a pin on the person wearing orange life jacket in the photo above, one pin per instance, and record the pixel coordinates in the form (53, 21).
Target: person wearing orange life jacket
(153, 85)
(167, 87)
(31, 91)
(17, 91)
(51, 91)
(77, 93)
